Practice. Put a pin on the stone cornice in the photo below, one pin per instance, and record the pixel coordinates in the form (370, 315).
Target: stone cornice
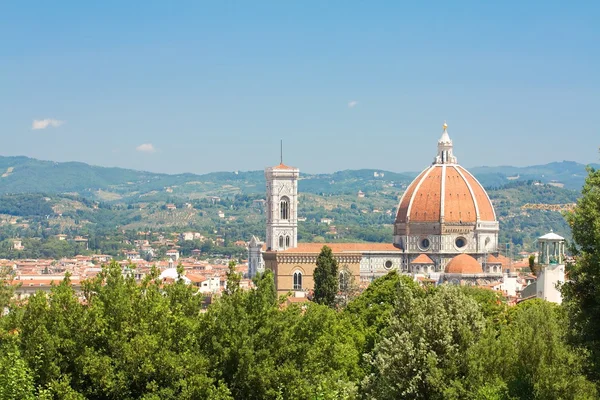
(307, 258)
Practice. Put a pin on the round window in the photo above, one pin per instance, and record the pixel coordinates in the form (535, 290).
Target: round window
(460, 242)
(388, 264)
(425, 244)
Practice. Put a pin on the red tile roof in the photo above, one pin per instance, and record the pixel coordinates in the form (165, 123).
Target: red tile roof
(463, 197)
(283, 166)
(463, 264)
(196, 278)
(491, 259)
(297, 300)
(486, 210)
(422, 259)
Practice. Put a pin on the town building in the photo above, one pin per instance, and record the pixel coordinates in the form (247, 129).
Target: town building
(173, 254)
(132, 255)
(445, 230)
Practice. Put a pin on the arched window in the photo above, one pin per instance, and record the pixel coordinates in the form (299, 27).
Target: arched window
(284, 208)
(287, 241)
(297, 280)
(280, 241)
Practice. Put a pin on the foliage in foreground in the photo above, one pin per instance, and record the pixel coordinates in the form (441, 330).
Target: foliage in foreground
(582, 291)
(124, 340)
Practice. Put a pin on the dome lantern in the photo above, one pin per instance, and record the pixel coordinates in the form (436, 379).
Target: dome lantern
(444, 154)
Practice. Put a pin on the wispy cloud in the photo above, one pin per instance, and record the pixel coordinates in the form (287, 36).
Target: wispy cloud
(352, 104)
(44, 123)
(146, 148)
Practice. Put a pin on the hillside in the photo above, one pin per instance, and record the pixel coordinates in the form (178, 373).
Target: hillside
(525, 211)
(28, 175)
(110, 206)
(567, 174)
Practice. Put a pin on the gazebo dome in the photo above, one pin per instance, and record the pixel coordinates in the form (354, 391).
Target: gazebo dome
(463, 264)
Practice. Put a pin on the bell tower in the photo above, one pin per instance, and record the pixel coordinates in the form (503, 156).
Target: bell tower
(282, 207)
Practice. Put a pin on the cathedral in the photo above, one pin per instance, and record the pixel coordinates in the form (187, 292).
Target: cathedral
(445, 230)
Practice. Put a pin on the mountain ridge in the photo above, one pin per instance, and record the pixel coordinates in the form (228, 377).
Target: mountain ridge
(21, 174)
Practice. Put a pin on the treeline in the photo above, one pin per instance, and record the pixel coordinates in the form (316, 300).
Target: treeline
(395, 340)
(25, 205)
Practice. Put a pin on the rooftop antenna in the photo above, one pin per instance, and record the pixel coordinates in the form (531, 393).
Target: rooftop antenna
(281, 151)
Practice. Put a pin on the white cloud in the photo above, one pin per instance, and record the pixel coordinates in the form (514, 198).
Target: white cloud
(352, 104)
(146, 148)
(44, 123)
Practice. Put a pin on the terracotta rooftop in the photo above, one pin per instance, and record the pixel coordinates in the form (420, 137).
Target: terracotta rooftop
(196, 278)
(422, 259)
(463, 198)
(506, 262)
(297, 299)
(342, 247)
(491, 259)
(463, 264)
(283, 166)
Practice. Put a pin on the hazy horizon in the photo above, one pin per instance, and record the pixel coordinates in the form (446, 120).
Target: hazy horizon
(310, 172)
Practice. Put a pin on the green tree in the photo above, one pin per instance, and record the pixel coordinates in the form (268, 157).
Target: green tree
(233, 279)
(126, 339)
(16, 380)
(348, 287)
(375, 306)
(532, 265)
(326, 278)
(491, 302)
(529, 357)
(422, 353)
(6, 287)
(581, 293)
(261, 351)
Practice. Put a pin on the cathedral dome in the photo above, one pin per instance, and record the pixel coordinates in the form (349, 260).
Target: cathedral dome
(445, 193)
(463, 264)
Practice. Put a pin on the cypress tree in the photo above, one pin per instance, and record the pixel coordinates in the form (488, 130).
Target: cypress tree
(326, 278)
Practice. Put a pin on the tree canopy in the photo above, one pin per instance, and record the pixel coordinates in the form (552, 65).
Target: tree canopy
(582, 290)
(155, 340)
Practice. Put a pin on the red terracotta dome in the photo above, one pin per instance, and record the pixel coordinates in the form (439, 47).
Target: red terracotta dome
(463, 264)
(445, 192)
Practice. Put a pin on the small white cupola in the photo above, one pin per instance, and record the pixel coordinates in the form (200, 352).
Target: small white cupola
(444, 154)
(551, 249)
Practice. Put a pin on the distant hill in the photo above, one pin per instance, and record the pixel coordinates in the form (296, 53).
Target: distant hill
(567, 174)
(28, 175)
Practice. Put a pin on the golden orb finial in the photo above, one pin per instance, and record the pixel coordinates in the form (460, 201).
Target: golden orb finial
(445, 126)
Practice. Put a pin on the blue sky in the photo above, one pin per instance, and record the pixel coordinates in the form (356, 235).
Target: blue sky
(208, 86)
